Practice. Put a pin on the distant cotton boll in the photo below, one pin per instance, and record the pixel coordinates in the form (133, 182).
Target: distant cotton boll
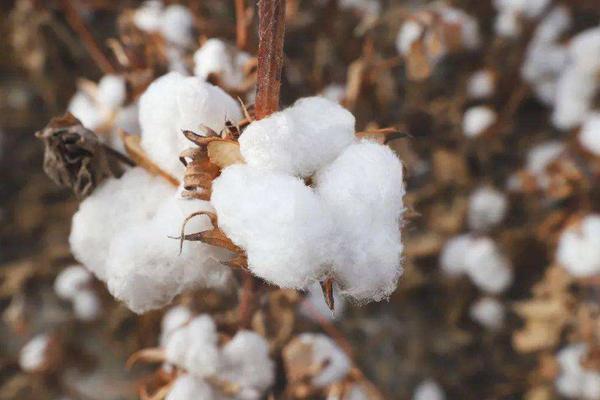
(71, 281)
(468, 25)
(429, 390)
(589, 136)
(487, 267)
(507, 24)
(281, 224)
(219, 58)
(175, 318)
(579, 247)
(487, 208)
(315, 302)
(509, 12)
(409, 33)
(300, 139)
(186, 387)
(363, 190)
(334, 92)
(84, 108)
(481, 84)
(325, 352)
(33, 355)
(452, 257)
(488, 312)
(541, 156)
(113, 207)
(574, 381)
(112, 91)
(176, 25)
(147, 16)
(245, 361)
(477, 120)
(87, 305)
(174, 102)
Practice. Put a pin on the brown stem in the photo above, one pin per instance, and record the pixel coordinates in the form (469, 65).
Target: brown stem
(241, 25)
(90, 43)
(246, 300)
(271, 29)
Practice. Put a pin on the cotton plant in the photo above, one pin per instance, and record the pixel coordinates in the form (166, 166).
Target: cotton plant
(578, 248)
(74, 284)
(574, 380)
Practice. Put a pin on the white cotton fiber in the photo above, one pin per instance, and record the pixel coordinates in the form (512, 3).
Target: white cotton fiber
(33, 355)
(428, 390)
(176, 25)
(112, 91)
(452, 257)
(84, 108)
(574, 381)
(477, 120)
(86, 305)
(589, 136)
(541, 156)
(145, 269)
(245, 361)
(147, 16)
(514, 10)
(481, 84)
(487, 267)
(487, 208)
(334, 92)
(579, 247)
(187, 387)
(300, 139)
(363, 190)
(334, 363)
(173, 103)
(71, 281)
(221, 59)
(488, 312)
(408, 34)
(277, 220)
(113, 207)
(174, 318)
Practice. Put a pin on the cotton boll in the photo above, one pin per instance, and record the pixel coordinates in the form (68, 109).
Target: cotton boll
(175, 318)
(334, 363)
(579, 247)
(71, 281)
(488, 312)
(246, 363)
(147, 17)
(409, 33)
(277, 220)
(477, 120)
(507, 24)
(469, 28)
(299, 140)
(363, 189)
(541, 156)
(487, 267)
(112, 91)
(86, 305)
(186, 387)
(84, 108)
(453, 255)
(176, 25)
(481, 84)
(429, 390)
(487, 208)
(589, 136)
(219, 58)
(574, 381)
(114, 206)
(34, 355)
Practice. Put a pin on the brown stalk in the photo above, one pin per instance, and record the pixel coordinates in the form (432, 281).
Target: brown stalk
(241, 24)
(90, 43)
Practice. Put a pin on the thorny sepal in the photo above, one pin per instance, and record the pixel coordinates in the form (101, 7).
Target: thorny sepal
(74, 156)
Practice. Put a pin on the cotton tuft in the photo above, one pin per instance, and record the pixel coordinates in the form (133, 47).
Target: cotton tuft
(488, 312)
(589, 136)
(33, 356)
(325, 352)
(579, 247)
(574, 381)
(217, 57)
(477, 120)
(428, 390)
(487, 208)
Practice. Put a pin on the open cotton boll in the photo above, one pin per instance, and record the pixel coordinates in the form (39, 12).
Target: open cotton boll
(175, 318)
(513, 11)
(71, 281)
(453, 255)
(363, 190)
(589, 136)
(300, 139)
(147, 17)
(145, 269)
(114, 206)
(579, 247)
(177, 24)
(34, 355)
(112, 91)
(409, 33)
(477, 120)
(428, 390)
(487, 267)
(186, 387)
(246, 362)
(481, 84)
(469, 28)
(86, 305)
(488, 312)
(326, 353)
(277, 220)
(541, 156)
(173, 103)
(574, 381)
(487, 208)
(221, 59)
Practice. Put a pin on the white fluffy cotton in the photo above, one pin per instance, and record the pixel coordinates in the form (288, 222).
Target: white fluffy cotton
(147, 16)
(33, 355)
(71, 280)
(409, 33)
(174, 103)
(481, 84)
(174, 318)
(300, 139)
(579, 247)
(540, 157)
(363, 191)
(86, 305)
(221, 59)
(326, 353)
(279, 221)
(186, 387)
(334, 92)
(488, 312)
(177, 24)
(428, 390)
(477, 120)
(589, 136)
(510, 12)
(574, 381)
(487, 208)
(480, 259)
